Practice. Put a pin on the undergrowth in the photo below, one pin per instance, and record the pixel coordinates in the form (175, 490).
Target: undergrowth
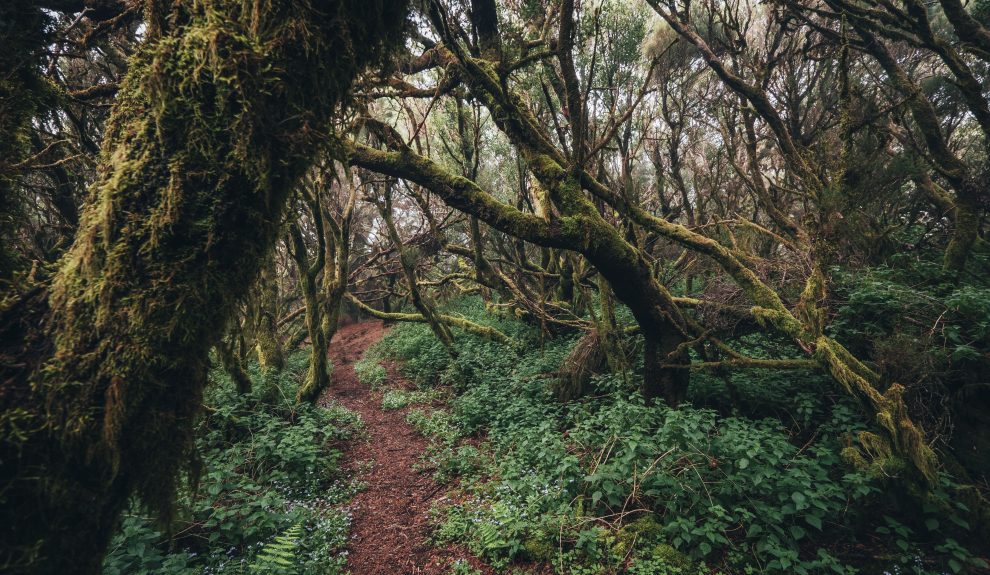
(747, 479)
(399, 398)
(370, 372)
(266, 495)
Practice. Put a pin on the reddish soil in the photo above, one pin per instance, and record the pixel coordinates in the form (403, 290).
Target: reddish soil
(391, 523)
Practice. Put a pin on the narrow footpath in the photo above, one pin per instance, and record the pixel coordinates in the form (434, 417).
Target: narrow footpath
(390, 517)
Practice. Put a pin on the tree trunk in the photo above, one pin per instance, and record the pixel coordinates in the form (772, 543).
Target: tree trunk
(566, 291)
(966, 230)
(387, 301)
(669, 384)
(335, 283)
(215, 122)
(419, 300)
(318, 376)
(271, 355)
(232, 365)
(608, 329)
(338, 264)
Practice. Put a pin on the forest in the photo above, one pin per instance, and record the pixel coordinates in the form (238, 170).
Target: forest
(475, 287)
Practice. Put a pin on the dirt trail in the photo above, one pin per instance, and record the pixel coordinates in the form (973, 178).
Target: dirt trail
(391, 524)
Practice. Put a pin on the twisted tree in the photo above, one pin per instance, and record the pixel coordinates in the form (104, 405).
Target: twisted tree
(222, 110)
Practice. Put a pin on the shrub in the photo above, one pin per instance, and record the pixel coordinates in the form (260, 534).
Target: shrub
(609, 484)
(268, 482)
(399, 398)
(370, 372)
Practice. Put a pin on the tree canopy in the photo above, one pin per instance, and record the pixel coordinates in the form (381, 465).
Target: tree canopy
(683, 189)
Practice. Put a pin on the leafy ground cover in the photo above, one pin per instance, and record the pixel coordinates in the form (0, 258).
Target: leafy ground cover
(269, 490)
(608, 484)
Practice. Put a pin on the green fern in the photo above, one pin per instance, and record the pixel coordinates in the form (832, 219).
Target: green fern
(279, 556)
(489, 536)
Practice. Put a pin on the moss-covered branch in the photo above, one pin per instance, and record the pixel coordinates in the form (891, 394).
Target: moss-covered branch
(462, 194)
(469, 326)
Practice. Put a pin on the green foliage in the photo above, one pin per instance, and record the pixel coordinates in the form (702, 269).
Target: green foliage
(278, 556)
(707, 476)
(799, 399)
(266, 493)
(396, 399)
(701, 476)
(609, 484)
(424, 355)
(399, 398)
(933, 337)
(436, 424)
(427, 363)
(445, 455)
(462, 567)
(664, 560)
(885, 302)
(981, 11)
(370, 372)
(137, 549)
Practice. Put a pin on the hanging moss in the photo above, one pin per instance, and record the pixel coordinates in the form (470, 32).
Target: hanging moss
(586, 359)
(221, 112)
(902, 438)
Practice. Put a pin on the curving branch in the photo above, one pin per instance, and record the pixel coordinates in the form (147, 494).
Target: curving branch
(469, 326)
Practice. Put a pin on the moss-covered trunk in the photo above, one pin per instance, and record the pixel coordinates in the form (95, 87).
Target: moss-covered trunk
(660, 380)
(419, 300)
(966, 230)
(318, 376)
(271, 355)
(338, 264)
(232, 365)
(631, 277)
(218, 117)
(335, 286)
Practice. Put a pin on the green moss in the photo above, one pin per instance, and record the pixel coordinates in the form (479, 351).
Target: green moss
(645, 531)
(641, 542)
(487, 332)
(667, 556)
(965, 235)
(538, 548)
(271, 355)
(220, 113)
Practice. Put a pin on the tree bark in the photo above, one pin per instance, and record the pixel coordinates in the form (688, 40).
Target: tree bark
(338, 264)
(420, 301)
(271, 354)
(232, 365)
(660, 381)
(217, 119)
(318, 376)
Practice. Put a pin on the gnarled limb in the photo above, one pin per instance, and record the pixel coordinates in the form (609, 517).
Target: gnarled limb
(426, 307)
(218, 117)
(318, 376)
(458, 322)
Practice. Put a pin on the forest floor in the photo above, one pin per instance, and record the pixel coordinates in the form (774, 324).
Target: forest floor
(391, 523)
